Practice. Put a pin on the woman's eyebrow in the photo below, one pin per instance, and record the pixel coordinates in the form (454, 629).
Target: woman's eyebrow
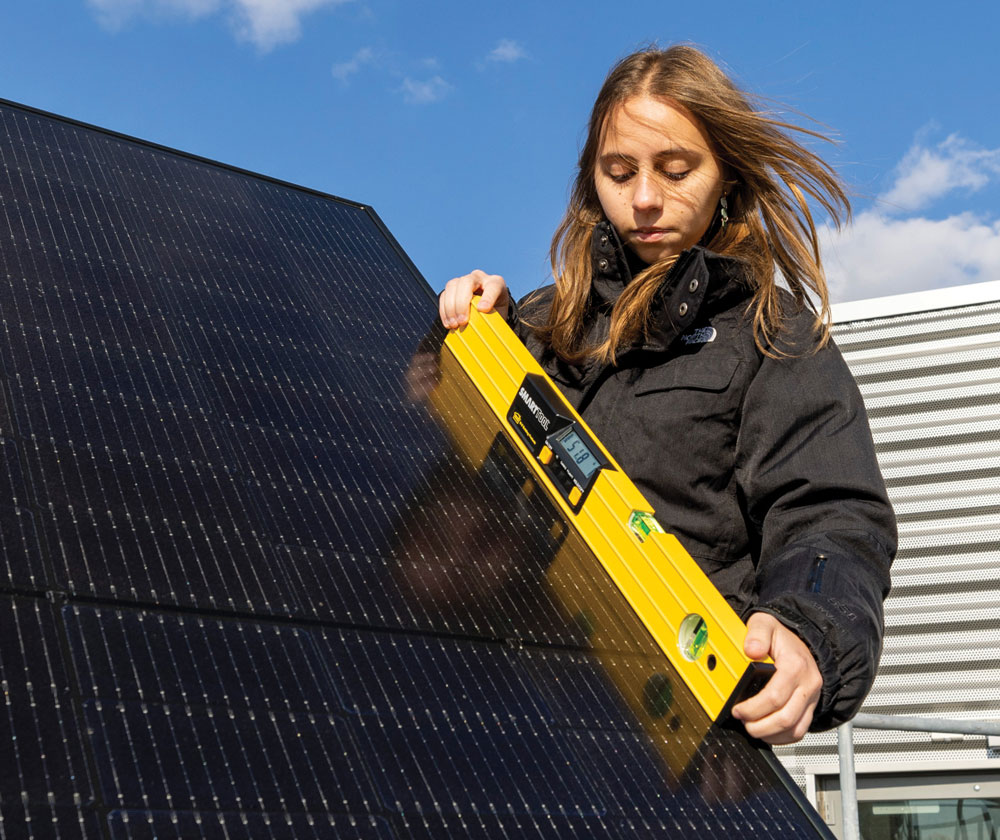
(664, 154)
(677, 151)
(617, 157)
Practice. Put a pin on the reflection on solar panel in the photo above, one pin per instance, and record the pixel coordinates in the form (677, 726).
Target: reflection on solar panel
(248, 588)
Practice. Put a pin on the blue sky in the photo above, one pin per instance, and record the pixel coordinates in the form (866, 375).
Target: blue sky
(460, 121)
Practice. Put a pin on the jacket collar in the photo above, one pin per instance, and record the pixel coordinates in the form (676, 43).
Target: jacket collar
(697, 276)
(611, 271)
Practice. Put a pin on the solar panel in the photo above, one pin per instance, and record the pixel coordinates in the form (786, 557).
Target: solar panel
(250, 588)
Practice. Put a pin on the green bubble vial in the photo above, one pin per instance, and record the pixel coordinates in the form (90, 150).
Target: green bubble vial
(642, 524)
(693, 637)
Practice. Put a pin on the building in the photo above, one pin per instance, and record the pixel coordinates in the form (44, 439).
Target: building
(928, 365)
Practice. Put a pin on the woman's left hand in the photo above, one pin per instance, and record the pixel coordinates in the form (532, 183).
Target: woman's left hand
(782, 711)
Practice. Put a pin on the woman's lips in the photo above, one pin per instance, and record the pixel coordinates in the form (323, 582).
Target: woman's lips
(649, 234)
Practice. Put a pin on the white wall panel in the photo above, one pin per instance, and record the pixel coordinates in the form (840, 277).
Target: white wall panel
(929, 371)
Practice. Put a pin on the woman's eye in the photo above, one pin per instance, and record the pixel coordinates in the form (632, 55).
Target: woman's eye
(620, 177)
(678, 176)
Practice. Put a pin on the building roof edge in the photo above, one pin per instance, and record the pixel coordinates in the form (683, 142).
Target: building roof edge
(910, 302)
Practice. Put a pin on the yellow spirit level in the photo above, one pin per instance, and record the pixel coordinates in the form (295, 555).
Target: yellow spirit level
(676, 604)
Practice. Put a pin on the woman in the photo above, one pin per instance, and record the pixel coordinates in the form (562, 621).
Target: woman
(718, 391)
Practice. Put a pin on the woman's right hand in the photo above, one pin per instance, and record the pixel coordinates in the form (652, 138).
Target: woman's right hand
(454, 302)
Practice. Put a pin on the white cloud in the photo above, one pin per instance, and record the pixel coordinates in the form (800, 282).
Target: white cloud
(878, 255)
(265, 23)
(423, 92)
(891, 250)
(346, 69)
(506, 51)
(926, 174)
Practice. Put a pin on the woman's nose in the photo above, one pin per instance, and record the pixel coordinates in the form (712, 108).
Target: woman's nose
(647, 195)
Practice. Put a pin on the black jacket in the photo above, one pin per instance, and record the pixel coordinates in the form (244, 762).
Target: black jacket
(763, 467)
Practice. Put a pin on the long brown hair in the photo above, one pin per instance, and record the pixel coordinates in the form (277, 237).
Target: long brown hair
(769, 178)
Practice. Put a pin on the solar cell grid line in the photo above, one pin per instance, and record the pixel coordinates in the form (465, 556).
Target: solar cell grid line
(151, 825)
(200, 715)
(337, 590)
(22, 566)
(326, 756)
(129, 661)
(291, 609)
(44, 780)
(440, 711)
(188, 490)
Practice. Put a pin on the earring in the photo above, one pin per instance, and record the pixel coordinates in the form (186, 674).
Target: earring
(723, 212)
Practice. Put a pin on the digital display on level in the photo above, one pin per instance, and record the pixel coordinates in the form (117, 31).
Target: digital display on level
(579, 453)
(564, 449)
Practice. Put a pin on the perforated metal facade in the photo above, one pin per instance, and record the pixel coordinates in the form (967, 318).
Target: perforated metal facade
(928, 366)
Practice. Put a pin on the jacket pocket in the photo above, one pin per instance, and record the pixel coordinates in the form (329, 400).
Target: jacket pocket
(708, 374)
(674, 435)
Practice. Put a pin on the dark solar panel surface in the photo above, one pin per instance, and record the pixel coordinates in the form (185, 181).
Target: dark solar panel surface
(249, 589)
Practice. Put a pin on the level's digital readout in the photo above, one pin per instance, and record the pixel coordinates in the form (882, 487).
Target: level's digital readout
(576, 451)
(563, 447)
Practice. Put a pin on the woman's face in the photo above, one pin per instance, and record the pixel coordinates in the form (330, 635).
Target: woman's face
(657, 178)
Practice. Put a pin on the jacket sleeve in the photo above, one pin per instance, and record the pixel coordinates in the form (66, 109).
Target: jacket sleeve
(814, 494)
